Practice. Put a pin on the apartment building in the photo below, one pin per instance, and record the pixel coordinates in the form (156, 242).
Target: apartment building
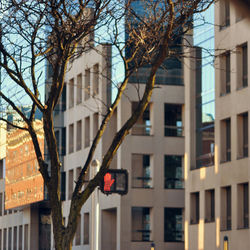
(216, 145)
(153, 209)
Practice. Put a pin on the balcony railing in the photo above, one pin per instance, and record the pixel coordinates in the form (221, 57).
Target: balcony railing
(141, 129)
(176, 131)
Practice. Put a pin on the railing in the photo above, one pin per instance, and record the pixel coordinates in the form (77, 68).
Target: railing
(176, 131)
(173, 183)
(141, 129)
(141, 235)
(141, 182)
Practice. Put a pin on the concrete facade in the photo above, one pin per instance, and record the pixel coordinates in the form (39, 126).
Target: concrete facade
(217, 195)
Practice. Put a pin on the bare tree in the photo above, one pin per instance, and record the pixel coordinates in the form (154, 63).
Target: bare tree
(33, 32)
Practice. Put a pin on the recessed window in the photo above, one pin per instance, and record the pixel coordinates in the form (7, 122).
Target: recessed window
(225, 73)
(243, 206)
(70, 183)
(95, 79)
(173, 176)
(87, 84)
(209, 206)
(173, 228)
(79, 89)
(87, 132)
(173, 120)
(86, 229)
(242, 66)
(79, 135)
(141, 224)
(141, 171)
(71, 93)
(242, 129)
(143, 125)
(226, 140)
(224, 14)
(194, 208)
(226, 208)
(71, 138)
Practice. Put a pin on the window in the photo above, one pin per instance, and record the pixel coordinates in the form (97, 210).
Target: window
(1, 169)
(10, 238)
(0, 239)
(242, 122)
(194, 208)
(1, 202)
(95, 124)
(173, 178)
(141, 171)
(173, 224)
(79, 135)
(87, 85)
(242, 67)
(95, 79)
(143, 124)
(224, 14)
(26, 236)
(78, 232)
(63, 146)
(20, 238)
(79, 89)
(87, 132)
(86, 229)
(64, 98)
(70, 183)
(5, 238)
(226, 140)
(141, 224)
(71, 138)
(15, 239)
(173, 120)
(209, 206)
(243, 206)
(71, 93)
(226, 209)
(225, 72)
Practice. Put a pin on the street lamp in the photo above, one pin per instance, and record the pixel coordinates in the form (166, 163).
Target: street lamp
(152, 246)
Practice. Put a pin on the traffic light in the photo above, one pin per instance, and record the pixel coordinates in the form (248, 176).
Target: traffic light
(115, 181)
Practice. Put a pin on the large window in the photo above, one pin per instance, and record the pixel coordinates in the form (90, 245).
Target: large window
(79, 135)
(173, 178)
(141, 224)
(141, 171)
(143, 124)
(173, 229)
(226, 208)
(173, 120)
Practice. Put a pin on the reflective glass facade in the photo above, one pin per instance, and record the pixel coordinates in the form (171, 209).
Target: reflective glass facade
(205, 87)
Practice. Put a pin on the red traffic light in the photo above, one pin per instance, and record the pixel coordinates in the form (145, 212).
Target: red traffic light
(115, 181)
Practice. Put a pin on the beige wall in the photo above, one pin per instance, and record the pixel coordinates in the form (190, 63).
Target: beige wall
(209, 235)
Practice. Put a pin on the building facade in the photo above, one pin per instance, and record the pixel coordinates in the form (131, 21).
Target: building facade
(217, 184)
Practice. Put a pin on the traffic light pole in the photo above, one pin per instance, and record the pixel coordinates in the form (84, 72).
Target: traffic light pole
(95, 210)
